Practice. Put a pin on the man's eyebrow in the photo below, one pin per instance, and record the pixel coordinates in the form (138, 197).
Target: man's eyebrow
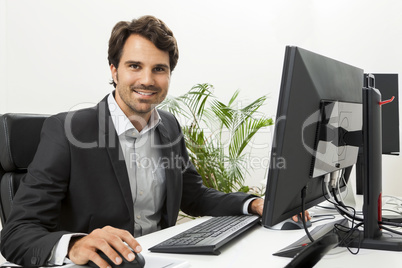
(162, 65)
(132, 62)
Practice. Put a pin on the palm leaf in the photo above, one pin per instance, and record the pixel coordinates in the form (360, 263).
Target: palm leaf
(221, 164)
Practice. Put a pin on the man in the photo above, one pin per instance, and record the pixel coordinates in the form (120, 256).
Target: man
(89, 187)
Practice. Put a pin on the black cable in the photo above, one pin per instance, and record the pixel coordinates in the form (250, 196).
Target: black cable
(348, 237)
(347, 232)
(339, 203)
(322, 217)
(391, 230)
(395, 224)
(325, 207)
(303, 219)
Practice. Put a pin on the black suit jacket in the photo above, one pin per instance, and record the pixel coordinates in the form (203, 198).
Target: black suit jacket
(78, 182)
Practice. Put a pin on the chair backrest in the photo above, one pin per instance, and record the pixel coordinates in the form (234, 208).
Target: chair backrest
(19, 139)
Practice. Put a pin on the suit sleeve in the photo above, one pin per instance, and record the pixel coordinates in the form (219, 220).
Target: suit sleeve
(199, 200)
(32, 229)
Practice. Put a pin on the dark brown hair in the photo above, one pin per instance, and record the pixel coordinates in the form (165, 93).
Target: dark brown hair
(149, 27)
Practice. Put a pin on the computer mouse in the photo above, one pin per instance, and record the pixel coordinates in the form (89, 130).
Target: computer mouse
(138, 262)
(290, 224)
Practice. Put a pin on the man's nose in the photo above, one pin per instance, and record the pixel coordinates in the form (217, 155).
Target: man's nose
(147, 78)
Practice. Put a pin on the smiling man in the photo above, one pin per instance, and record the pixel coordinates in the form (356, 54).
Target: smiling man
(107, 174)
(142, 79)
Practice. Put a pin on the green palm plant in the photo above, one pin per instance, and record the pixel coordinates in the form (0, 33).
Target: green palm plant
(217, 134)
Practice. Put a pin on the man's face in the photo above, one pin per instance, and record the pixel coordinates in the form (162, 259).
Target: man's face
(142, 78)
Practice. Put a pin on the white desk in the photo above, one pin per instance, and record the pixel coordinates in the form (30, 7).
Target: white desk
(255, 249)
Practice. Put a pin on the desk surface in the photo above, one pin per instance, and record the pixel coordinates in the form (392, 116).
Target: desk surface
(256, 246)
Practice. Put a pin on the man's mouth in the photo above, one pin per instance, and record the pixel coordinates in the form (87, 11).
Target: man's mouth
(145, 93)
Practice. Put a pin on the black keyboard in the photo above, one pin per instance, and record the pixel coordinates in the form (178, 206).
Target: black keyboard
(208, 236)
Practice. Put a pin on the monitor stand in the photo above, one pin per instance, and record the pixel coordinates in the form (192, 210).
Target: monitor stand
(371, 237)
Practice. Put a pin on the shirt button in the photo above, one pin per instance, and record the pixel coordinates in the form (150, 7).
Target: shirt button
(141, 192)
(138, 217)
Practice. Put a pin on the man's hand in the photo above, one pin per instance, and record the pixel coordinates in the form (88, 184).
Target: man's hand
(295, 218)
(108, 240)
(256, 206)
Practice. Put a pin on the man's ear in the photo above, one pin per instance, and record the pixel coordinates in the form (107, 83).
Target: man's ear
(113, 71)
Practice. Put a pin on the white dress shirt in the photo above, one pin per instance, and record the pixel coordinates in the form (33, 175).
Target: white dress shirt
(144, 165)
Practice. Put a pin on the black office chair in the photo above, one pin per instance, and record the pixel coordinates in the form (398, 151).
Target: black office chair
(19, 139)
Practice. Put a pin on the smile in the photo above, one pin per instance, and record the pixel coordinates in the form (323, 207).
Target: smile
(145, 93)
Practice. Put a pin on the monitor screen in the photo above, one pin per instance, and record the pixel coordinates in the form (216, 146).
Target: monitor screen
(308, 79)
(387, 84)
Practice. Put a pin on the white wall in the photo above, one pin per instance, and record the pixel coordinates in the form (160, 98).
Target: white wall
(54, 53)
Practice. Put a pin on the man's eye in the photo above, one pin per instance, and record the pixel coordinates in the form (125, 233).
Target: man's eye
(134, 66)
(159, 69)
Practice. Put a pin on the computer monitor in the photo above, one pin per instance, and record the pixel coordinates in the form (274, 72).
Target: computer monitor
(388, 85)
(316, 95)
(308, 81)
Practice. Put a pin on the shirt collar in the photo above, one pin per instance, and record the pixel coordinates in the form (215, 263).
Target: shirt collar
(121, 122)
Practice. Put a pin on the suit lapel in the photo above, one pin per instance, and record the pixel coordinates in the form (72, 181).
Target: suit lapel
(173, 184)
(110, 141)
